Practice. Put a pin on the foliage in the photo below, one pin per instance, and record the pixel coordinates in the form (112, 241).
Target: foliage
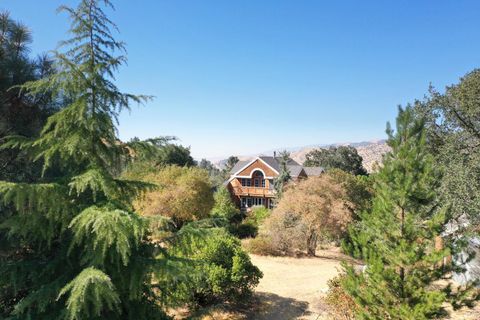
(323, 207)
(284, 175)
(78, 251)
(224, 206)
(345, 158)
(453, 134)
(263, 245)
(217, 177)
(235, 221)
(173, 154)
(90, 283)
(340, 303)
(358, 190)
(20, 114)
(397, 237)
(283, 233)
(230, 163)
(224, 272)
(182, 194)
(257, 215)
(314, 209)
(359, 193)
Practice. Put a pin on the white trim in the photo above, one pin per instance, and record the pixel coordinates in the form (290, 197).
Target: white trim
(233, 176)
(251, 162)
(251, 177)
(258, 169)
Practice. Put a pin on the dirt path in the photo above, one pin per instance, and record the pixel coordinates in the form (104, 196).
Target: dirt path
(291, 288)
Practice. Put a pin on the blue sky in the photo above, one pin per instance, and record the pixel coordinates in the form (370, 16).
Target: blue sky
(240, 77)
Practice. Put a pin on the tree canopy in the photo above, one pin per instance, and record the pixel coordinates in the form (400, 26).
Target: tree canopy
(453, 133)
(345, 158)
(182, 194)
(78, 250)
(321, 204)
(397, 236)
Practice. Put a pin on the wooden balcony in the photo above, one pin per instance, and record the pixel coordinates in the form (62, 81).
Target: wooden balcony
(254, 192)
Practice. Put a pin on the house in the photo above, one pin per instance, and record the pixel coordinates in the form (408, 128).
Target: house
(251, 181)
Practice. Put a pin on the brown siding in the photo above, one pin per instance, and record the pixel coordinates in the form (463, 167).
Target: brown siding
(258, 165)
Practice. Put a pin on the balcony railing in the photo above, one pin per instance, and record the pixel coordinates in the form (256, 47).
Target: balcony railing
(254, 191)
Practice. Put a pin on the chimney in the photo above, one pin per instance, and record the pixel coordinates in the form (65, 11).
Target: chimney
(274, 154)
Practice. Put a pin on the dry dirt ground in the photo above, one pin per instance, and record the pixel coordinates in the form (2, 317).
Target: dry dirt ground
(292, 288)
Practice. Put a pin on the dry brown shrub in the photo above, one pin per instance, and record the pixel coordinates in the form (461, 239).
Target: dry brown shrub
(311, 210)
(341, 306)
(183, 194)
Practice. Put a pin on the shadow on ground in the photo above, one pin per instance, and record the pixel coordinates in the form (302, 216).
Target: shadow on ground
(273, 306)
(262, 306)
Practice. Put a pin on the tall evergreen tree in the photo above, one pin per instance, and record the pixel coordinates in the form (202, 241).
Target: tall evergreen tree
(398, 235)
(19, 113)
(82, 253)
(284, 175)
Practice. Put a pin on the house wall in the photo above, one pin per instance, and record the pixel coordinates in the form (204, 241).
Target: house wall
(258, 164)
(247, 172)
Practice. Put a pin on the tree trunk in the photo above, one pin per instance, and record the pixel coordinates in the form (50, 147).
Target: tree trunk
(312, 243)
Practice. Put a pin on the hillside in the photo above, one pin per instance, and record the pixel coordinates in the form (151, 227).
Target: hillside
(370, 151)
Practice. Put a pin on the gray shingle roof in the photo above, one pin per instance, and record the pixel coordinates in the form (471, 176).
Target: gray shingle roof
(239, 165)
(294, 170)
(274, 162)
(314, 171)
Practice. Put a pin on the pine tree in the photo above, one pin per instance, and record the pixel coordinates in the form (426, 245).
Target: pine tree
(81, 252)
(398, 235)
(284, 175)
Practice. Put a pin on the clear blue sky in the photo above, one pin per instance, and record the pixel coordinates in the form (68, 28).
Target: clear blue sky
(244, 76)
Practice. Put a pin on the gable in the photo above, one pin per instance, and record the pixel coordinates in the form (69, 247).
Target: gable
(257, 164)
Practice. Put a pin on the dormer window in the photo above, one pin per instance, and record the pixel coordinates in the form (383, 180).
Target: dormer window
(246, 182)
(258, 179)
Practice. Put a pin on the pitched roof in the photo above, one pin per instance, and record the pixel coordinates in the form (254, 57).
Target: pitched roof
(274, 162)
(239, 165)
(314, 171)
(294, 170)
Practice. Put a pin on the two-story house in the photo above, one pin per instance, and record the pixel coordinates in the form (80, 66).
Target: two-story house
(251, 181)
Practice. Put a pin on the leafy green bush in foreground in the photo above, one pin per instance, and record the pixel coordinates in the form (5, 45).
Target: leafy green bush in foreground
(223, 272)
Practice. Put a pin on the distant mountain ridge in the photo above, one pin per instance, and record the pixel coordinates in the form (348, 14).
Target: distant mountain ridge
(370, 151)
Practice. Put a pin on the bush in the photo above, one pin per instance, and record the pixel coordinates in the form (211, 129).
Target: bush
(322, 206)
(258, 215)
(182, 194)
(244, 230)
(224, 206)
(341, 304)
(224, 272)
(261, 245)
(283, 233)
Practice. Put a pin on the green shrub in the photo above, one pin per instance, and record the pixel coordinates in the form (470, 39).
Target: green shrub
(258, 215)
(244, 230)
(224, 272)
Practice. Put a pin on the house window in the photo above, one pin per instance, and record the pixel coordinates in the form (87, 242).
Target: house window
(257, 183)
(243, 202)
(249, 202)
(258, 201)
(263, 183)
(246, 182)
